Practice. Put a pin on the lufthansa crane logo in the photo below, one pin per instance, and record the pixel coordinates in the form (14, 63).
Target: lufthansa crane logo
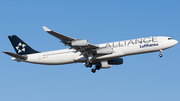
(20, 48)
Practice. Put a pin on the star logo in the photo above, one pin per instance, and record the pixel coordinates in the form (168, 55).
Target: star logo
(20, 48)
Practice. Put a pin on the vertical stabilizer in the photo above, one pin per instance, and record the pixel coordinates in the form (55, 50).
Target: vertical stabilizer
(20, 46)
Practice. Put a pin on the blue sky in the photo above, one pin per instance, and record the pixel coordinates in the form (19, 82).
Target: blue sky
(143, 77)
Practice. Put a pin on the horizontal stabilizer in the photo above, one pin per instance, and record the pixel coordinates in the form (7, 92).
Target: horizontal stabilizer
(15, 55)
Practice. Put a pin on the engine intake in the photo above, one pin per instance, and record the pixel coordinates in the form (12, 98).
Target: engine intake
(116, 61)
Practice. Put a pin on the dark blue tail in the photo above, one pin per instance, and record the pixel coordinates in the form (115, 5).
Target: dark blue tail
(20, 46)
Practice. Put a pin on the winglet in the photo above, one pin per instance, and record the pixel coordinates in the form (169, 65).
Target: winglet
(46, 29)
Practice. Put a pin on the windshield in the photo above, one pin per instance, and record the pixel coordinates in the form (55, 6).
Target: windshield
(170, 38)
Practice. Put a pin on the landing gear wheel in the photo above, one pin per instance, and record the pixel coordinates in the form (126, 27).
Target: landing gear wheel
(98, 67)
(88, 64)
(93, 70)
(160, 55)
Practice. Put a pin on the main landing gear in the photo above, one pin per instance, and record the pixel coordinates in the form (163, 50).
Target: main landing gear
(90, 61)
(160, 55)
(97, 67)
(93, 70)
(88, 64)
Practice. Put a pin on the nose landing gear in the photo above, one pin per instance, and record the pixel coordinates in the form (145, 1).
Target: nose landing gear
(160, 55)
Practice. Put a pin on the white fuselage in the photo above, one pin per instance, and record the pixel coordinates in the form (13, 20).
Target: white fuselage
(120, 49)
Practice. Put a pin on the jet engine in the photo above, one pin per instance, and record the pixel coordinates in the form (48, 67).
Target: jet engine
(104, 50)
(107, 64)
(116, 61)
(103, 64)
(79, 43)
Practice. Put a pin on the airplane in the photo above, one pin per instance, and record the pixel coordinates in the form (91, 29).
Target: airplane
(81, 51)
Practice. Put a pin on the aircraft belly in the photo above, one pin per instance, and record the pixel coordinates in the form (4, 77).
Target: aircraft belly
(109, 56)
(51, 59)
(58, 59)
(129, 50)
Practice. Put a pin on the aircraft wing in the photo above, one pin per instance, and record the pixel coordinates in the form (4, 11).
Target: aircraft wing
(63, 38)
(85, 49)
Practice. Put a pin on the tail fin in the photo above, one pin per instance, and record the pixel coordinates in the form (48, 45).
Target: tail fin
(20, 46)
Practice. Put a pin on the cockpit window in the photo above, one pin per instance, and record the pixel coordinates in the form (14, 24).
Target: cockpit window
(170, 38)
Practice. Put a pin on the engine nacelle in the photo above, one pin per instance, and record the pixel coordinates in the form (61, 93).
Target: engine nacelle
(107, 64)
(103, 64)
(79, 43)
(104, 50)
(116, 61)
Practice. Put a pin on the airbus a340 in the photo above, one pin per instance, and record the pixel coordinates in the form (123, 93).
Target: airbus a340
(80, 51)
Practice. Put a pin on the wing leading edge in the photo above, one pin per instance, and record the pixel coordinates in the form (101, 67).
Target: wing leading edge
(84, 49)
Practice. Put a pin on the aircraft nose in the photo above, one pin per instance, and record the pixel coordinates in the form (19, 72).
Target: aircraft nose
(175, 42)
